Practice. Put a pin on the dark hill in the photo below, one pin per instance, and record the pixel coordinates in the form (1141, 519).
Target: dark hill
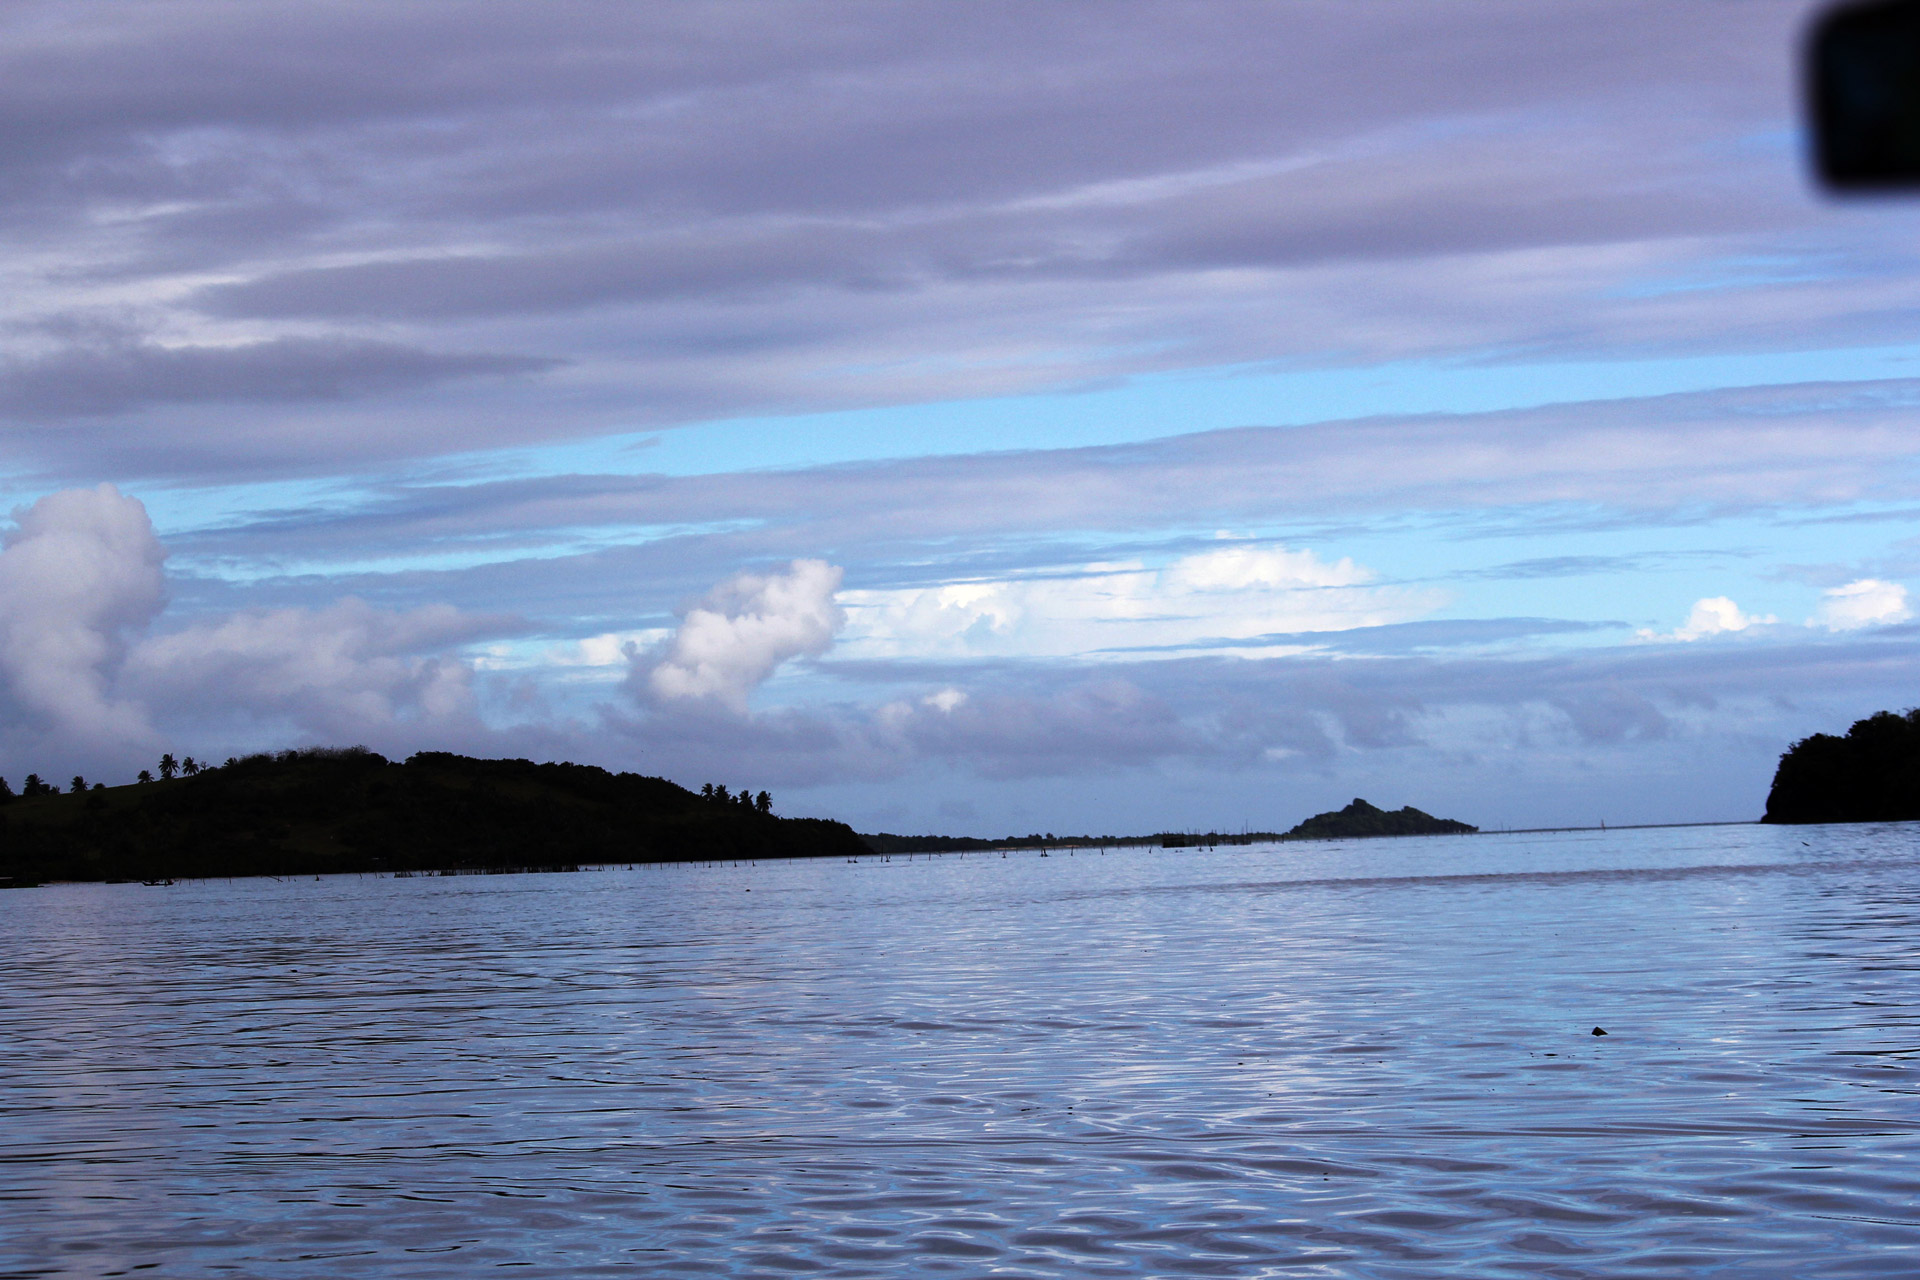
(310, 812)
(1871, 775)
(1363, 819)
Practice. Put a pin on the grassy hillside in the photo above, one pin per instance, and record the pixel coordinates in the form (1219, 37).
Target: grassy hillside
(315, 812)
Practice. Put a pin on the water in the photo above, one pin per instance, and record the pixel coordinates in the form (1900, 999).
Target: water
(1353, 1060)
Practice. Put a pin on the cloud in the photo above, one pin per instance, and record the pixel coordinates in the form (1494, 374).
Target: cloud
(729, 643)
(1205, 600)
(1242, 568)
(853, 205)
(1712, 616)
(93, 380)
(79, 575)
(335, 251)
(1612, 715)
(1091, 724)
(1005, 729)
(1869, 602)
(84, 673)
(1637, 459)
(1416, 704)
(1434, 634)
(338, 672)
(1550, 725)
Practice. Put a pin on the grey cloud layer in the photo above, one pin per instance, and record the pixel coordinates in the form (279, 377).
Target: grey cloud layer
(97, 381)
(1686, 725)
(855, 204)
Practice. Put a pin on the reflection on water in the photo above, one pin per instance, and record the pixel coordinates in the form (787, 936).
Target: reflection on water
(1368, 1060)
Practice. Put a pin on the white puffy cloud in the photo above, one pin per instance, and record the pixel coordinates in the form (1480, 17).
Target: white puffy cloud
(1199, 602)
(1870, 602)
(342, 669)
(83, 673)
(737, 636)
(1711, 616)
(80, 574)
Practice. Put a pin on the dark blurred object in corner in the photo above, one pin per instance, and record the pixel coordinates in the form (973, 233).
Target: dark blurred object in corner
(1863, 94)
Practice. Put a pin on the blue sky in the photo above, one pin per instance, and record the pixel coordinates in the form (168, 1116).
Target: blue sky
(1101, 417)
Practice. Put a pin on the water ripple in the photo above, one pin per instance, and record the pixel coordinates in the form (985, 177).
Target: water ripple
(1362, 1060)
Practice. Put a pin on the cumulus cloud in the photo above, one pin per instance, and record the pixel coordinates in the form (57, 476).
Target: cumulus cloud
(83, 672)
(1870, 602)
(79, 575)
(729, 643)
(1711, 616)
(341, 670)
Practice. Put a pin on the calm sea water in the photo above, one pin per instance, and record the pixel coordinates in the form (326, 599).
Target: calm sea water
(1363, 1059)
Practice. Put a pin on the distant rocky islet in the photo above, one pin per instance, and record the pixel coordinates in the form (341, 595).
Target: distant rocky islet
(1361, 819)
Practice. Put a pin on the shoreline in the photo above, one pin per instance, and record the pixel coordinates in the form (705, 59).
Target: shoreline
(1624, 826)
(1146, 842)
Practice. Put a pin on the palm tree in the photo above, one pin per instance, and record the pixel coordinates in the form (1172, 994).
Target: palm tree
(146, 775)
(79, 784)
(168, 765)
(763, 802)
(188, 767)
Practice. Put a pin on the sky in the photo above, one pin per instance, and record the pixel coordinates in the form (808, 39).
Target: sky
(988, 419)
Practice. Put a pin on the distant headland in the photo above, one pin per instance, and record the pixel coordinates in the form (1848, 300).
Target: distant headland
(1870, 775)
(333, 810)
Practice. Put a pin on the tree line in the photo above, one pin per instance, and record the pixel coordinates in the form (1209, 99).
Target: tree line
(326, 810)
(187, 766)
(170, 768)
(744, 798)
(1871, 774)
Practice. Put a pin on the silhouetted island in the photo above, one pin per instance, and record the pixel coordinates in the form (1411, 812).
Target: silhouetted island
(1871, 775)
(333, 810)
(1363, 819)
